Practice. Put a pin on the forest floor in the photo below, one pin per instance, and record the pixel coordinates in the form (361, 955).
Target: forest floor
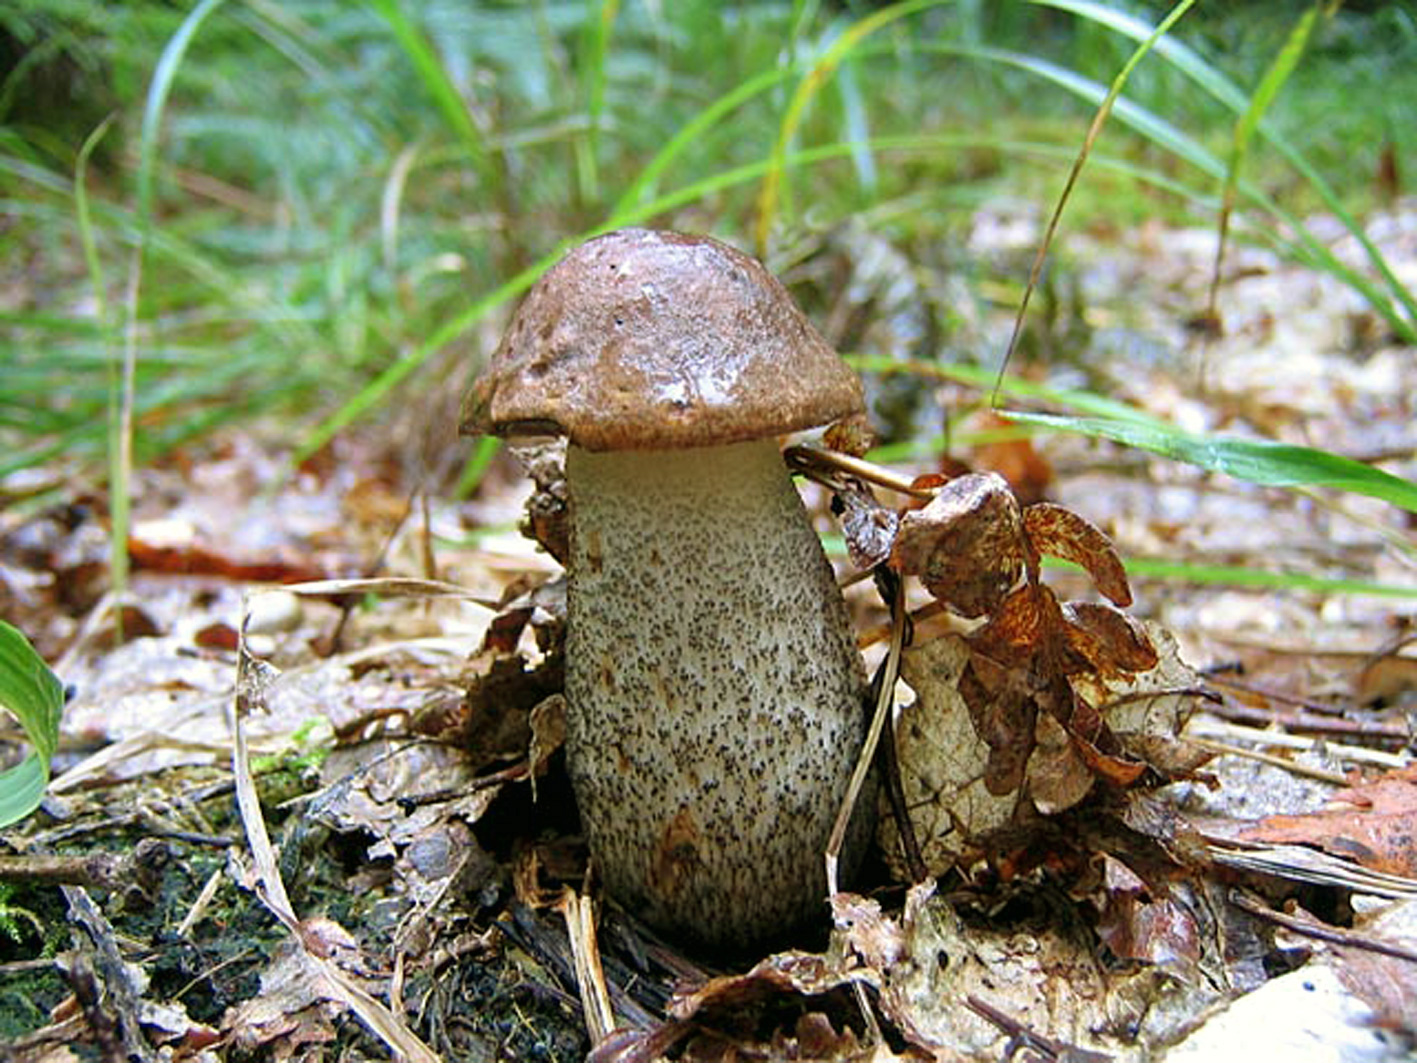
(420, 886)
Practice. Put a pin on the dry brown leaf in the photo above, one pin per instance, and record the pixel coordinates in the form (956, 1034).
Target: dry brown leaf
(945, 763)
(1045, 977)
(1387, 984)
(1138, 923)
(1060, 532)
(942, 762)
(869, 527)
(1374, 824)
(966, 545)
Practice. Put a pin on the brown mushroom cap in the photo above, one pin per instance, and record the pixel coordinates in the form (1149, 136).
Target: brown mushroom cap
(646, 340)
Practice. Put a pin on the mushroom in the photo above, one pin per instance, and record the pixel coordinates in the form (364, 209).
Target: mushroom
(713, 684)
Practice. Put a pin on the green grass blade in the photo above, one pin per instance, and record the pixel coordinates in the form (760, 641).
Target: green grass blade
(1226, 92)
(985, 378)
(1265, 95)
(31, 693)
(118, 541)
(1094, 130)
(1240, 576)
(1258, 461)
(163, 77)
(1302, 245)
(377, 390)
(599, 23)
(807, 89)
(482, 454)
(84, 217)
(693, 131)
(439, 86)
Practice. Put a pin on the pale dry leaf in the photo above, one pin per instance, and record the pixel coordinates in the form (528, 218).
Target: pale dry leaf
(1056, 778)
(1045, 978)
(942, 762)
(1386, 983)
(1146, 710)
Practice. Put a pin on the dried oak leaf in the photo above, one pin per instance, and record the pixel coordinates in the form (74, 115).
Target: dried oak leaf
(1138, 922)
(1374, 823)
(869, 527)
(1060, 532)
(1146, 709)
(945, 763)
(966, 545)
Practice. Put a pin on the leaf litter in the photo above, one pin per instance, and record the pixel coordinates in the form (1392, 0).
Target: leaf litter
(1089, 892)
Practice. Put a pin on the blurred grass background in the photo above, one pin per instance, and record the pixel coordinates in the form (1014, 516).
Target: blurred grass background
(308, 212)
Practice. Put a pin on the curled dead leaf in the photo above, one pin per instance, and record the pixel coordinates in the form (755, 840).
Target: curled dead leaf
(966, 544)
(1060, 532)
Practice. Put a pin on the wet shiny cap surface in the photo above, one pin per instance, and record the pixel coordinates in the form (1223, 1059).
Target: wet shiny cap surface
(647, 340)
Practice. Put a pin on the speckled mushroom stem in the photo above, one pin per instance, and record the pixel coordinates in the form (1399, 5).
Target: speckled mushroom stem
(714, 689)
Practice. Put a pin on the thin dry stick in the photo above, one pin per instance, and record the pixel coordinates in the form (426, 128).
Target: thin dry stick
(1319, 707)
(579, 914)
(885, 700)
(1222, 729)
(201, 904)
(1269, 758)
(1333, 934)
(252, 676)
(819, 464)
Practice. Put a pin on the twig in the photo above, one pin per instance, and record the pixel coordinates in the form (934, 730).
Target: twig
(1310, 927)
(1021, 1036)
(579, 914)
(889, 764)
(817, 464)
(101, 871)
(252, 679)
(1221, 679)
(114, 1020)
(200, 905)
(1301, 721)
(1269, 758)
(1222, 729)
(885, 699)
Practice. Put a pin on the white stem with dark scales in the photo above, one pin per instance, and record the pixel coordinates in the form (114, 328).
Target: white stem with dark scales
(714, 689)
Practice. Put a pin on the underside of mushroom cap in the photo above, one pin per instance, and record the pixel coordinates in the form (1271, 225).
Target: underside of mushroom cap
(642, 339)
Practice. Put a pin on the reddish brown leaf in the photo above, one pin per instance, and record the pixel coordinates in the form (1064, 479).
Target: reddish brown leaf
(967, 545)
(1374, 824)
(217, 636)
(193, 559)
(1060, 532)
(1108, 640)
(1136, 925)
(1003, 716)
(1117, 770)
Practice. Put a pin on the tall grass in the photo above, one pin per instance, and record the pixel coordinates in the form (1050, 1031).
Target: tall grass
(326, 200)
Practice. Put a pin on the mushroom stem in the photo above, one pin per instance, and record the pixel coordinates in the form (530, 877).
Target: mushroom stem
(714, 685)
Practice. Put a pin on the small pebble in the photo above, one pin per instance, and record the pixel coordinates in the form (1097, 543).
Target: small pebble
(268, 612)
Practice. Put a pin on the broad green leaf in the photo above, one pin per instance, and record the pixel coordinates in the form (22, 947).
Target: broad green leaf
(1259, 461)
(31, 693)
